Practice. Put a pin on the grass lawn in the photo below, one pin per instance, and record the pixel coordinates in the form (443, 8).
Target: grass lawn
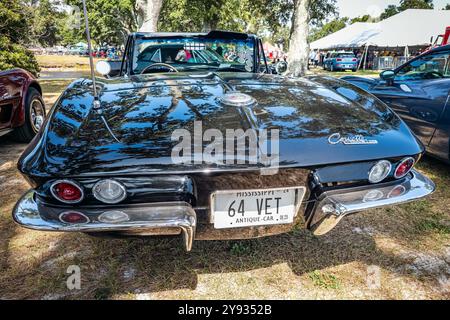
(64, 62)
(400, 252)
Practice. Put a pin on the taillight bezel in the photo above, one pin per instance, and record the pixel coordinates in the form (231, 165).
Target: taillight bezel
(400, 163)
(71, 182)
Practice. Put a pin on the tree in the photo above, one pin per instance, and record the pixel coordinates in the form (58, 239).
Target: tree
(46, 22)
(319, 10)
(415, 4)
(14, 31)
(110, 20)
(197, 15)
(405, 5)
(447, 6)
(390, 11)
(298, 45)
(363, 18)
(328, 28)
(148, 14)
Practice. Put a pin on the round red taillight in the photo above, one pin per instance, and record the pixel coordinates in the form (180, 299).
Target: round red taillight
(403, 167)
(67, 191)
(73, 217)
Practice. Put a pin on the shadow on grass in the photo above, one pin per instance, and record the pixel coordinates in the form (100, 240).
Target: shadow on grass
(151, 265)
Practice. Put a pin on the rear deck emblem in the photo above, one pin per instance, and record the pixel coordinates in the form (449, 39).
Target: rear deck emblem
(336, 138)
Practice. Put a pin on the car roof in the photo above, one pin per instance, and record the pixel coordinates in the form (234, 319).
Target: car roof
(211, 34)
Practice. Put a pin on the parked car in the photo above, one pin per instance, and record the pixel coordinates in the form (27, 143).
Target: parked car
(22, 110)
(340, 61)
(419, 92)
(77, 50)
(135, 157)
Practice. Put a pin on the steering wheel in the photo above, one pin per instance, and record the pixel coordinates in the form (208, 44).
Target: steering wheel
(159, 64)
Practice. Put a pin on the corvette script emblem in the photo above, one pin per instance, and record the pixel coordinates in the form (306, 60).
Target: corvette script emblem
(336, 138)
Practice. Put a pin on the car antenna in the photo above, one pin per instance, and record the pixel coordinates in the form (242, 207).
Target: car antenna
(91, 59)
(97, 105)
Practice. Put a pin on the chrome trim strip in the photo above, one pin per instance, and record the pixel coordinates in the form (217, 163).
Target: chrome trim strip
(333, 206)
(151, 216)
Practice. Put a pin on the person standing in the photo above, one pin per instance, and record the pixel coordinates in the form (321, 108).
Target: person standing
(317, 59)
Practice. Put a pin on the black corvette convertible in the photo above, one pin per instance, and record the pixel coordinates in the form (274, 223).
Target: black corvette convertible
(194, 136)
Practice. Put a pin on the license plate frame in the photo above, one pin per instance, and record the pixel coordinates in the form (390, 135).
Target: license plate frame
(300, 192)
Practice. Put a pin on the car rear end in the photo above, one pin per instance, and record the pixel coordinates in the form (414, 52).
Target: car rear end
(345, 61)
(340, 151)
(220, 205)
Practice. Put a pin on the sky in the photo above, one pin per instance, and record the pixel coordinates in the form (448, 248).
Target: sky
(355, 8)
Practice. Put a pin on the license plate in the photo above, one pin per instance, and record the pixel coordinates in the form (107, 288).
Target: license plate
(244, 208)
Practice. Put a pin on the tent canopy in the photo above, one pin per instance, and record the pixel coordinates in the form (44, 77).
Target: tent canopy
(412, 27)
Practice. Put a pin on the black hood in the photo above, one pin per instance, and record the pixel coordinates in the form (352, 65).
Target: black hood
(143, 111)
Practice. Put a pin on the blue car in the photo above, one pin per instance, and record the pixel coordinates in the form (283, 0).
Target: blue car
(419, 92)
(340, 61)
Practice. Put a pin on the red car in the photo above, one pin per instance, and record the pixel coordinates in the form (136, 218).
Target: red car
(22, 109)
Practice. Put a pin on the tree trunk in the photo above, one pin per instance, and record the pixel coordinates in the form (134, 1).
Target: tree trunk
(298, 43)
(148, 14)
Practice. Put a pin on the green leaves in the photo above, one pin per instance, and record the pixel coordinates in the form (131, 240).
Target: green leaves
(110, 21)
(404, 5)
(13, 55)
(14, 31)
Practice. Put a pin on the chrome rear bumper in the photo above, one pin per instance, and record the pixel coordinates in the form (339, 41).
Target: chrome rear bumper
(171, 218)
(332, 206)
(153, 219)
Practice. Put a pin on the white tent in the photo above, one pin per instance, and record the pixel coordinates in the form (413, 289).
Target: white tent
(413, 27)
(354, 36)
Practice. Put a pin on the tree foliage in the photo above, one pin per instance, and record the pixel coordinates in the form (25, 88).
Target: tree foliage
(198, 15)
(334, 26)
(328, 28)
(405, 5)
(14, 31)
(415, 4)
(270, 19)
(110, 20)
(46, 26)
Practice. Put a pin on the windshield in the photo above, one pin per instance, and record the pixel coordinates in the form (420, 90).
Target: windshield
(431, 66)
(187, 54)
(345, 55)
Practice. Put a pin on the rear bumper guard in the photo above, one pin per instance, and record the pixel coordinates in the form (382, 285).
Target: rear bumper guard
(155, 219)
(332, 206)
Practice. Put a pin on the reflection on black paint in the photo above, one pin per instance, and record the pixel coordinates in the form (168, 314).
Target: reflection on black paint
(143, 111)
